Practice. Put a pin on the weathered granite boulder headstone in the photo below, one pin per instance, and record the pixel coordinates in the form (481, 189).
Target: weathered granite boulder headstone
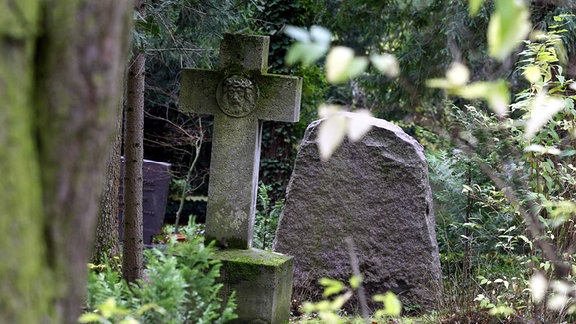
(241, 95)
(155, 186)
(375, 191)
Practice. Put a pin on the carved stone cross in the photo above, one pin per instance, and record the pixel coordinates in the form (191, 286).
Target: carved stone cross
(240, 95)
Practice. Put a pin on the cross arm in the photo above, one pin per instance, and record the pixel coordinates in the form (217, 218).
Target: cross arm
(196, 88)
(279, 97)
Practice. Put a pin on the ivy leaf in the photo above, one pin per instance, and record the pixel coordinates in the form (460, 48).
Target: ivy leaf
(508, 26)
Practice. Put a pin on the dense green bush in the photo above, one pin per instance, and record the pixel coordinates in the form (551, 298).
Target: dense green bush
(180, 286)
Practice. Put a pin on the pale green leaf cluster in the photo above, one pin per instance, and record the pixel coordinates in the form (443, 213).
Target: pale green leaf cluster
(310, 46)
(337, 294)
(556, 294)
(109, 310)
(559, 212)
(341, 63)
(509, 25)
(543, 108)
(337, 125)
(496, 93)
(391, 305)
(474, 6)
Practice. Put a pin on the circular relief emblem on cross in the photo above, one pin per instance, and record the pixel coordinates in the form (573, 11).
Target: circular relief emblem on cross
(237, 96)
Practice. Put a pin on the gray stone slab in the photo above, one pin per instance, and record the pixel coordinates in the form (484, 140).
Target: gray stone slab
(375, 191)
(155, 187)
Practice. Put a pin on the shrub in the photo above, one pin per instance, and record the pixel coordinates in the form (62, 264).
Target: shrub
(180, 286)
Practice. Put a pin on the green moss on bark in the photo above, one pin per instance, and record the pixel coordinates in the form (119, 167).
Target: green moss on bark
(25, 283)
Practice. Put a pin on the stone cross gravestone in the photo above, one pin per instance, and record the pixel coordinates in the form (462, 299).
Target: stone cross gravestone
(375, 191)
(241, 95)
(156, 182)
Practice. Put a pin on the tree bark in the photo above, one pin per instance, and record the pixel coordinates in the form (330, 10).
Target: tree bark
(25, 289)
(132, 258)
(106, 244)
(60, 74)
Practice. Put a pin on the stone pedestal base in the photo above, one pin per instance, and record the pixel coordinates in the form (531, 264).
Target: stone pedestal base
(262, 281)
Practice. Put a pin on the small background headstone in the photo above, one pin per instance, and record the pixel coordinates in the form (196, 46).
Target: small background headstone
(156, 184)
(375, 191)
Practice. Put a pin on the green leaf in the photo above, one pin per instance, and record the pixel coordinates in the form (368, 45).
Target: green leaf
(129, 320)
(392, 305)
(355, 281)
(321, 35)
(341, 65)
(439, 83)
(543, 108)
(310, 46)
(474, 6)
(308, 307)
(331, 286)
(331, 133)
(508, 26)
(108, 308)
(495, 93)
(458, 74)
(387, 64)
(358, 124)
(532, 73)
(89, 318)
(499, 97)
(340, 300)
(357, 67)
(538, 286)
(307, 53)
(299, 34)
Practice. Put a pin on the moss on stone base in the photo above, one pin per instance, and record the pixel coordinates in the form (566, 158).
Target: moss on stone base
(262, 281)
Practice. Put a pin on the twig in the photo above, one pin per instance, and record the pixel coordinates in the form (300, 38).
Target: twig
(198, 146)
(356, 272)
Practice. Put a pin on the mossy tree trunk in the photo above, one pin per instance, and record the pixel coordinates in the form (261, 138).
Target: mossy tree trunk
(61, 68)
(132, 258)
(106, 244)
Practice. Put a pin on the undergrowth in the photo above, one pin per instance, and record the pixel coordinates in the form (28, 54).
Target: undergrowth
(179, 286)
